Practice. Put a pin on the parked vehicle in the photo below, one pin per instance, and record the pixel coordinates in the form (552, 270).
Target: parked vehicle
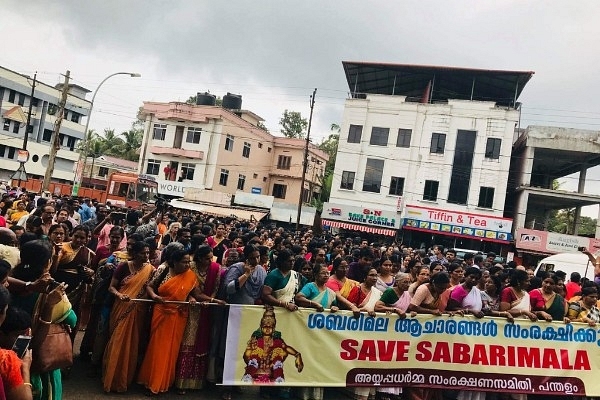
(568, 263)
(123, 189)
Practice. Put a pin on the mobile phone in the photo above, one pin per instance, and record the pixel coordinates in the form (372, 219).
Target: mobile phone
(21, 345)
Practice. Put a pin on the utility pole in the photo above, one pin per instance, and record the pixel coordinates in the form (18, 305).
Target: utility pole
(54, 145)
(305, 161)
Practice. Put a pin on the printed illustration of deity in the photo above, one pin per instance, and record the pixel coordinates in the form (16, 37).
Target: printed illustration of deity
(266, 352)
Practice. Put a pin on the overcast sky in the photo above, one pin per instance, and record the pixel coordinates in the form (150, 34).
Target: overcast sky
(274, 53)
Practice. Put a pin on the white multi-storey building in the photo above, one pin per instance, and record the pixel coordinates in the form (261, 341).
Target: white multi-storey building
(15, 97)
(427, 149)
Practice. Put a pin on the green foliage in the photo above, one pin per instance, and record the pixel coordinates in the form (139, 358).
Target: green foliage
(262, 126)
(563, 221)
(329, 146)
(126, 145)
(293, 125)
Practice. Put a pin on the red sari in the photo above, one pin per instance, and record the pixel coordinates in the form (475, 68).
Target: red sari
(193, 355)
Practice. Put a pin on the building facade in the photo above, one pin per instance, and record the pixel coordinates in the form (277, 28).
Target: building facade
(429, 147)
(15, 98)
(220, 149)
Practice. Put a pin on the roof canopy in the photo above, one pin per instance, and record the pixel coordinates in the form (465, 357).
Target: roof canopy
(502, 87)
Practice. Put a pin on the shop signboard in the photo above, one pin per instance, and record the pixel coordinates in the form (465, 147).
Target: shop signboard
(371, 216)
(552, 242)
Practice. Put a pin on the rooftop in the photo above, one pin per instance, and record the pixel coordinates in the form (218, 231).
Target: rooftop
(412, 81)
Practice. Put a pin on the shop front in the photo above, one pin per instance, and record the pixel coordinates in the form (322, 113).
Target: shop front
(426, 226)
(375, 221)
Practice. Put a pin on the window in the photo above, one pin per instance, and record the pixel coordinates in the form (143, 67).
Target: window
(47, 136)
(187, 171)
(279, 191)
(268, 149)
(61, 138)
(34, 102)
(379, 136)
(241, 182)
(284, 162)
(193, 135)
(160, 131)
(11, 96)
(431, 190)
(254, 176)
(71, 143)
(260, 145)
(11, 152)
(305, 195)
(396, 186)
(492, 148)
(486, 197)
(438, 142)
(16, 126)
(6, 125)
(373, 174)
(75, 117)
(403, 137)
(229, 143)
(153, 167)
(347, 180)
(264, 178)
(224, 176)
(21, 99)
(2, 150)
(246, 150)
(102, 171)
(354, 133)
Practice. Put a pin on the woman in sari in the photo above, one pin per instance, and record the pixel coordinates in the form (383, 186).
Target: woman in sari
(340, 283)
(515, 299)
(385, 279)
(365, 295)
(105, 261)
(547, 304)
(192, 362)
(318, 296)
(429, 298)
(126, 320)
(73, 266)
(422, 277)
(586, 310)
(173, 281)
(466, 296)
(45, 309)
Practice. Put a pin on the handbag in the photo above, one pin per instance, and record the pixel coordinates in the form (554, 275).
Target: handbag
(54, 352)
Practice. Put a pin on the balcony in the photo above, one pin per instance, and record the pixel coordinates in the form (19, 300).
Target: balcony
(195, 154)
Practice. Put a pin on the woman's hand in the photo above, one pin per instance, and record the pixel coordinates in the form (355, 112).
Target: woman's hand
(545, 316)
(291, 307)
(479, 314)
(26, 362)
(334, 309)
(436, 312)
(158, 299)
(566, 320)
(56, 295)
(532, 317)
(372, 313)
(123, 297)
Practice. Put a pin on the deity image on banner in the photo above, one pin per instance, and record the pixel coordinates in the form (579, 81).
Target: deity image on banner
(266, 352)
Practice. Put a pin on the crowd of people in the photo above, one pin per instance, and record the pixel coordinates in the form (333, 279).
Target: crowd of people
(150, 288)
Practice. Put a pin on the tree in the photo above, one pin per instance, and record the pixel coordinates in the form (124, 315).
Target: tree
(262, 126)
(293, 125)
(329, 146)
(564, 222)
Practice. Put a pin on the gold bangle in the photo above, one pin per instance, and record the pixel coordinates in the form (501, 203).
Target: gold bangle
(44, 322)
(211, 299)
(28, 384)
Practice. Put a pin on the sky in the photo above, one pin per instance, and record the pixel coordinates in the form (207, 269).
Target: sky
(275, 53)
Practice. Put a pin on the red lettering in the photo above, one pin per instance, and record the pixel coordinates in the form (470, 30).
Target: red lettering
(349, 353)
(385, 349)
(441, 353)
(550, 359)
(564, 359)
(368, 351)
(582, 361)
(511, 356)
(480, 355)
(423, 351)
(528, 357)
(377, 213)
(401, 350)
(461, 353)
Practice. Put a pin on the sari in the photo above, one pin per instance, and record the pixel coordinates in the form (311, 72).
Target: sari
(126, 325)
(390, 298)
(362, 300)
(166, 331)
(192, 362)
(326, 298)
(343, 287)
(555, 306)
(521, 304)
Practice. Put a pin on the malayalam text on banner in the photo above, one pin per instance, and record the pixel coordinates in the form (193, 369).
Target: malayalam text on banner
(268, 346)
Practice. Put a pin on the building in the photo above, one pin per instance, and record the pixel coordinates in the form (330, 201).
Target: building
(15, 98)
(426, 149)
(222, 149)
(541, 155)
(98, 170)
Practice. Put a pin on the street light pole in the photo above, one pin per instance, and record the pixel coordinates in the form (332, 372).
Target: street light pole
(83, 154)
